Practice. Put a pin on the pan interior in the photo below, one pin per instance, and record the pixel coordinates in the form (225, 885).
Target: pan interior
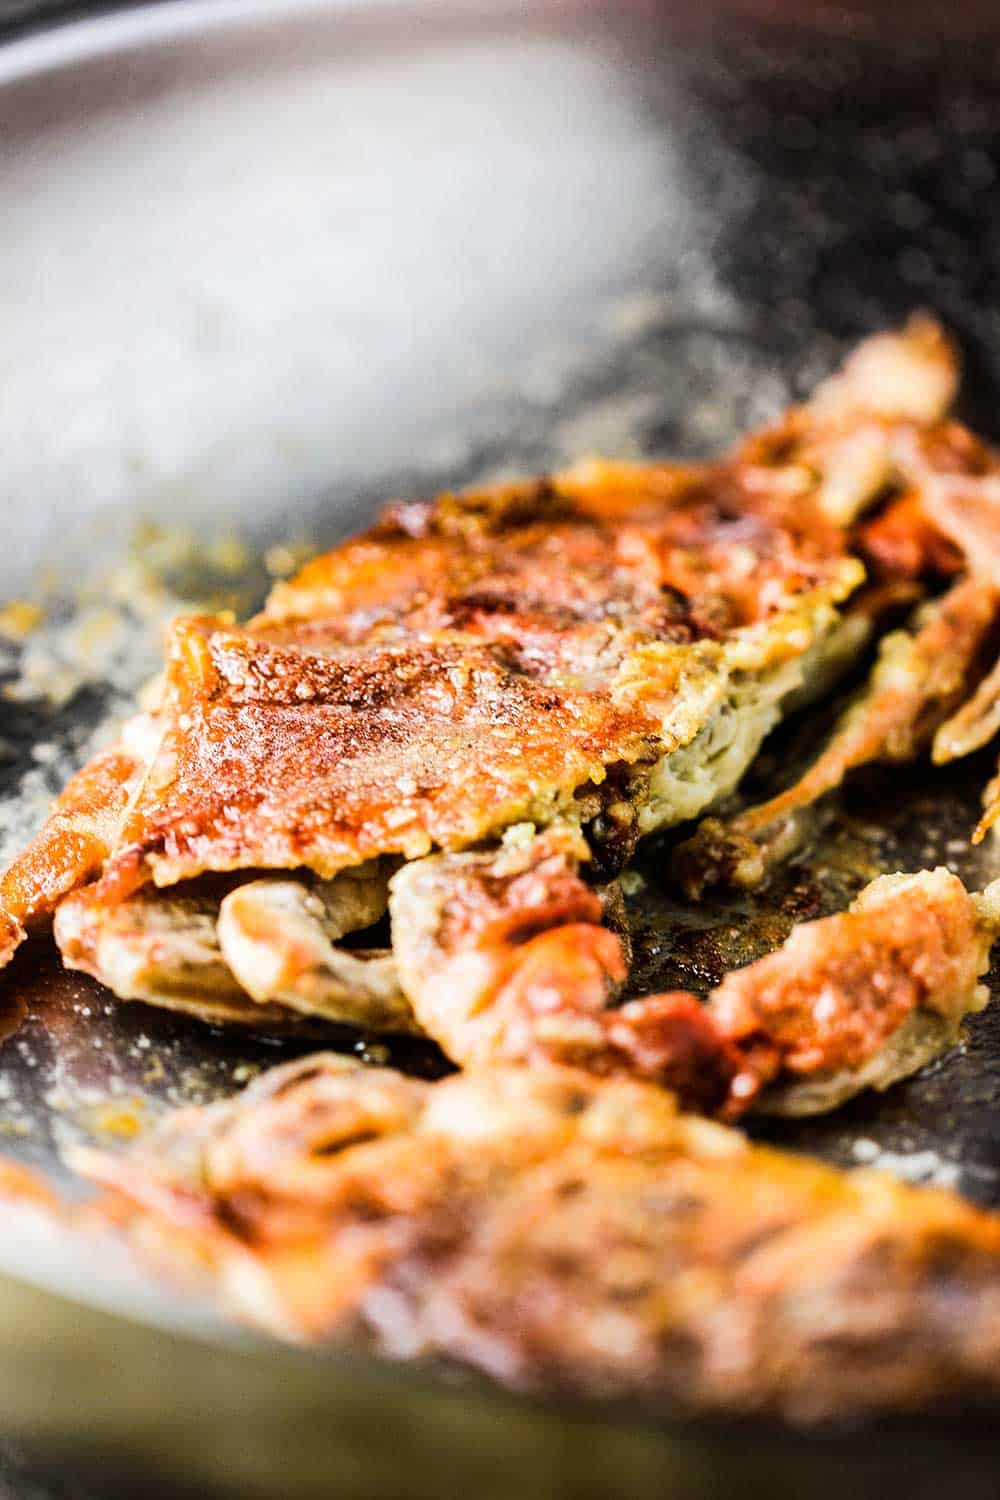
(309, 275)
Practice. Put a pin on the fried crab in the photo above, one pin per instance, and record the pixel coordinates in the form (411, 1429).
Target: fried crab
(469, 716)
(552, 1228)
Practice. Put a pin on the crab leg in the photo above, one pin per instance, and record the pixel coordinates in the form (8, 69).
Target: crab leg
(158, 947)
(948, 518)
(504, 959)
(861, 999)
(911, 374)
(79, 834)
(263, 954)
(278, 938)
(966, 508)
(842, 446)
(991, 810)
(973, 726)
(915, 684)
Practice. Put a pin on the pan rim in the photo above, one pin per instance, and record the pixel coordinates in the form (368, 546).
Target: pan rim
(131, 25)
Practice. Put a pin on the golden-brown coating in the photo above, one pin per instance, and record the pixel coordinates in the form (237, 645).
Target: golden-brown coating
(504, 959)
(82, 828)
(828, 1002)
(531, 652)
(491, 690)
(551, 1228)
(77, 838)
(470, 664)
(596, 655)
(492, 657)
(552, 568)
(280, 759)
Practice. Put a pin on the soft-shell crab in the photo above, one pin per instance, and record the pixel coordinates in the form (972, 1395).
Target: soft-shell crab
(470, 715)
(553, 1228)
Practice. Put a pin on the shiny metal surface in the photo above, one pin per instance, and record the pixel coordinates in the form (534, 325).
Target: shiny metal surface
(262, 265)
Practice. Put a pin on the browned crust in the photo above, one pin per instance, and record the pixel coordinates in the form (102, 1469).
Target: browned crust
(456, 670)
(841, 987)
(505, 960)
(550, 1227)
(72, 846)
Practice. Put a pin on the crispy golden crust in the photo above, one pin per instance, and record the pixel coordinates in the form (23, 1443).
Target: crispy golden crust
(526, 652)
(549, 1227)
(840, 988)
(671, 554)
(279, 759)
(504, 958)
(536, 655)
(76, 840)
(469, 664)
(601, 650)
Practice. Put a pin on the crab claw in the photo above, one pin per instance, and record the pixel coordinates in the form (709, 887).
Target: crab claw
(279, 939)
(505, 959)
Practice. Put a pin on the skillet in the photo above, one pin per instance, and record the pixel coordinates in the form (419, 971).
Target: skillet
(262, 265)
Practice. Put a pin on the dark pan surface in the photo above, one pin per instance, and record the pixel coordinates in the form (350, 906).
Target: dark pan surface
(268, 267)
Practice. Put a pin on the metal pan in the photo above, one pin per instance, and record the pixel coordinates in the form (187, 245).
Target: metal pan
(262, 264)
